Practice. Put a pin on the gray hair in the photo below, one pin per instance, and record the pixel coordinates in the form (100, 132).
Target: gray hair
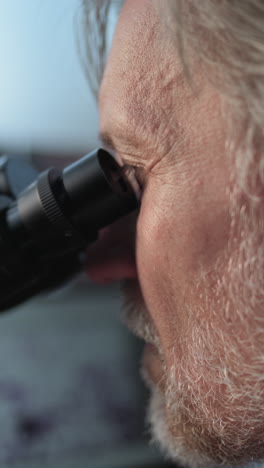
(91, 31)
(93, 38)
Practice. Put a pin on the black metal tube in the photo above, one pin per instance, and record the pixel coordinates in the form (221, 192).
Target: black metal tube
(46, 227)
(98, 190)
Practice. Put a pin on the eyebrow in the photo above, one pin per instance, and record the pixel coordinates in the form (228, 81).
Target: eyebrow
(106, 140)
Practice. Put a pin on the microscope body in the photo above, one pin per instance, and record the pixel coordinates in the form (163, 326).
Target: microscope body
(47, 220)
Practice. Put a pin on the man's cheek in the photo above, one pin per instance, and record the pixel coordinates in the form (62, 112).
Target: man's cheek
(162, 250)
(156, 264)
(151, 238)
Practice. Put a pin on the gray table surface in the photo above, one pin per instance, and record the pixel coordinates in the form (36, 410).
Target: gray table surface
(70, 392)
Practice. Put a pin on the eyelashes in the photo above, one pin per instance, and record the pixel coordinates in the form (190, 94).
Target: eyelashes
(134, 174)
(131, 174)
(140, 174)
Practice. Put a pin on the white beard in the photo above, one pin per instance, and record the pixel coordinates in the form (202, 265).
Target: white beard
(211, 412)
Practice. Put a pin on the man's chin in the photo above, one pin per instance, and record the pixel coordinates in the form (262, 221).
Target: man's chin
(137, 318)
(171, 445)
(169, 438)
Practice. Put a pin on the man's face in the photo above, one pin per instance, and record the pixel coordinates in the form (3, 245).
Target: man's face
(200, 358)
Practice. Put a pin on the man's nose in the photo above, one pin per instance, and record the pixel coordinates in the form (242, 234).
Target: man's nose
(112, 256)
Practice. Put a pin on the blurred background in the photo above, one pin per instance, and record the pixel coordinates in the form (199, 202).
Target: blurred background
(70, 392)
(45, 100)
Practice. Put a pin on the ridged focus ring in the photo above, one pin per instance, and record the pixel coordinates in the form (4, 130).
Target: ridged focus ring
(49, 203)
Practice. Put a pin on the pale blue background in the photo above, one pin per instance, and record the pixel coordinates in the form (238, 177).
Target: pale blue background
(45, 100)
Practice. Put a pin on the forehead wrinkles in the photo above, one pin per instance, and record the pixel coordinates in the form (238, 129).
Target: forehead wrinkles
(149, 105)
(139, 86)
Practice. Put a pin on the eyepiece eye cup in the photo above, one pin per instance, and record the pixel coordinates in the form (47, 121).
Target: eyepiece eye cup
(121, 178)
(112, 171)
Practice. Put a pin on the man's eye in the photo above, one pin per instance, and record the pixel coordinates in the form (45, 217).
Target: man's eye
(133, 175)
(141, 177)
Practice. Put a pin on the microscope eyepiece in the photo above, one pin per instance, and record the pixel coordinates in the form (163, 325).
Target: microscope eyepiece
(46, 227)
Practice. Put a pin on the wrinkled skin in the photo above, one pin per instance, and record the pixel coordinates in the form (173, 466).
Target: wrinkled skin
(176, 254)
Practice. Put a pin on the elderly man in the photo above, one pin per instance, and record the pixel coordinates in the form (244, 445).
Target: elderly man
(181, 102)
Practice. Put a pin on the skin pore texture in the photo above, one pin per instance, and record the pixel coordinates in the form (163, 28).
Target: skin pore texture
(185, 258)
